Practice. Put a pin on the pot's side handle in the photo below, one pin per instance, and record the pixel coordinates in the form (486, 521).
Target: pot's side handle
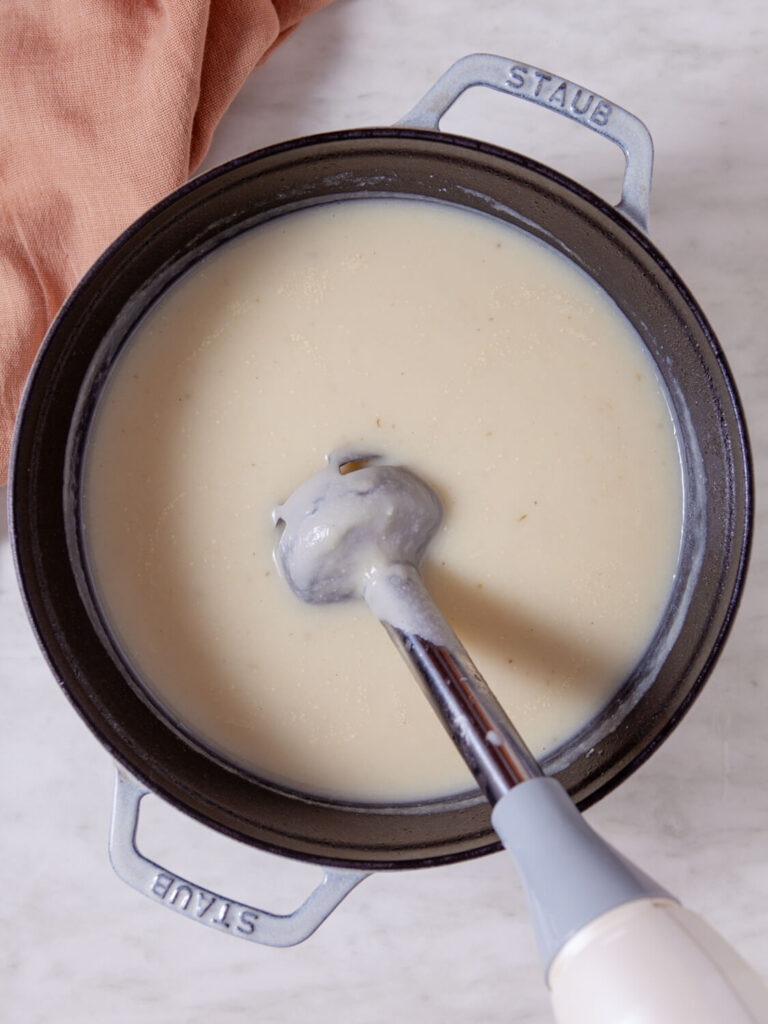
(554, 93)
(203, 905)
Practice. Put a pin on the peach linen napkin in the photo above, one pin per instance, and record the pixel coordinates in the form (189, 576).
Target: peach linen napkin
(105, 106)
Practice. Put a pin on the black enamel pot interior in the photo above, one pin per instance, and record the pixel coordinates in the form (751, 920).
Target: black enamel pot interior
(87, 336)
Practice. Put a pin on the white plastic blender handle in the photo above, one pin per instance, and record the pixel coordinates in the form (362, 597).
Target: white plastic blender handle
(653, 962)
(616, 948)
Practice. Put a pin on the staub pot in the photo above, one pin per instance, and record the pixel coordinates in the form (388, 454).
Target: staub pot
(411, 159)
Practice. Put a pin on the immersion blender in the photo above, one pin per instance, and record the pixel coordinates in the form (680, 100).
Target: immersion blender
(616, 947)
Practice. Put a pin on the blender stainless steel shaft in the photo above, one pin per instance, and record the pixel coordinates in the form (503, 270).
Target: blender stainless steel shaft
(493, 749)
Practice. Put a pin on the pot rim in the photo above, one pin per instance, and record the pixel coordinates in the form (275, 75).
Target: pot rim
(619, 224)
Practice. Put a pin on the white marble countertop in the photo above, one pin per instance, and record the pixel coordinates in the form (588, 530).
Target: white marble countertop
(449, 944)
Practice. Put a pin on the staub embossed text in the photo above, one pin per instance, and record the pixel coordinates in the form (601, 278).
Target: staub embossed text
(203, 905)
(545, 88)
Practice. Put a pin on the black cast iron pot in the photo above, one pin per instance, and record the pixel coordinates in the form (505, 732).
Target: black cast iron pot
(412, 159)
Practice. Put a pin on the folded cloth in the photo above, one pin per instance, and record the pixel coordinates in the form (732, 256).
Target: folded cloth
(105, 106)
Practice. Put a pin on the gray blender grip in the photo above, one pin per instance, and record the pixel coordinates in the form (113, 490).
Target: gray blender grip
(203, 905)
(560, 95)
(571, 876)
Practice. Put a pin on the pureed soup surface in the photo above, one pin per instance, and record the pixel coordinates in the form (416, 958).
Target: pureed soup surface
(457, 345)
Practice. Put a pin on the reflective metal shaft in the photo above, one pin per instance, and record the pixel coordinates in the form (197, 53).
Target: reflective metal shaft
(493, 749)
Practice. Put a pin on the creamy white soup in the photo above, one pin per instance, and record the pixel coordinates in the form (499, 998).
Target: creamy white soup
(456, 345)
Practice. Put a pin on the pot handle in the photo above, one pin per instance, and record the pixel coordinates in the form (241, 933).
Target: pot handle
(204, 905)
(554, 93)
